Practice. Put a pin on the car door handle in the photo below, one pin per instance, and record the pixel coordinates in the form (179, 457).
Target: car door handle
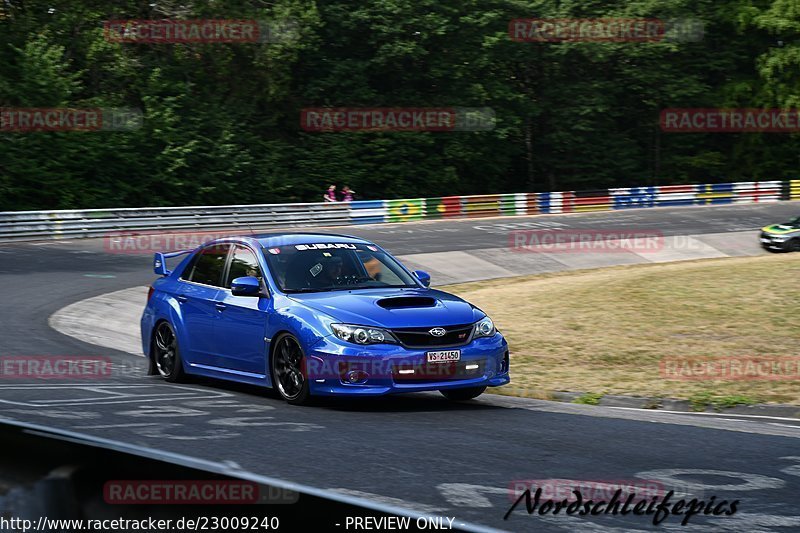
(220, 306)
(181, 299)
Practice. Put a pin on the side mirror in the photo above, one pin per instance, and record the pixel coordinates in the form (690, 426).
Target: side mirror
(424, 277)
(246, 286)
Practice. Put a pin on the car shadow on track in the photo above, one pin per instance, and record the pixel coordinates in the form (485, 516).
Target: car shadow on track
(399, 403)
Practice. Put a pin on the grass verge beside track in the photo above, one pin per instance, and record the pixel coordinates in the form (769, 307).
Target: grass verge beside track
(605, 331)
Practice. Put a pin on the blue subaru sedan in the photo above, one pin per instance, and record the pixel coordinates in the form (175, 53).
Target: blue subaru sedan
(316, 315)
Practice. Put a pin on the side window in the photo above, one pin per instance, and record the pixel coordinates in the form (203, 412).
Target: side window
(208, 267)
(243, 263)
(187, 272)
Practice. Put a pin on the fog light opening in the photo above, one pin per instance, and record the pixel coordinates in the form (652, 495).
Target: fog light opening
(355, 376)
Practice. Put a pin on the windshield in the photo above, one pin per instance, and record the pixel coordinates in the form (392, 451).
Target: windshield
(334, 266)
(794, 223)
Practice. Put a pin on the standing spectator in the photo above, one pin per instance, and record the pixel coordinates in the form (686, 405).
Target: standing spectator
(347, 194)
(330, 194)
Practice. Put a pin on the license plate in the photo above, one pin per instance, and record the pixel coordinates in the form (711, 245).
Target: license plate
(445, 356)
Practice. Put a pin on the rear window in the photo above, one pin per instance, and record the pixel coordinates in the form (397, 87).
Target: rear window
(209, 265)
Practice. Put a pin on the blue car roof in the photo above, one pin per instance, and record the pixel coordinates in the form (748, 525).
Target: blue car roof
(288, 239)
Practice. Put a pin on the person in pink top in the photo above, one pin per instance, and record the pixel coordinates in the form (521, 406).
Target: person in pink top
(347, 194)
(330, 194)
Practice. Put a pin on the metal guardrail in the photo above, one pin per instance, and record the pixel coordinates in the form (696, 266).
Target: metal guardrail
(70, 224)
(35, 225)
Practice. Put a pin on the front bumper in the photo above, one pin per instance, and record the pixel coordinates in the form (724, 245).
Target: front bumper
(334, 367)
(768, 243)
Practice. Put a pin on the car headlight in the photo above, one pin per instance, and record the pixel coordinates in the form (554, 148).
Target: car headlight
(484, 328)
(362, 334)
(779, 238)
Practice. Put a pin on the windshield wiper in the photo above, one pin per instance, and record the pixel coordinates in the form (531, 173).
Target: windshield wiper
(346, 288)
(309, 289)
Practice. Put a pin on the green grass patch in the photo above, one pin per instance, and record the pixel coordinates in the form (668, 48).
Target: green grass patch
(703, 400)
(609, 329)
(590, 398)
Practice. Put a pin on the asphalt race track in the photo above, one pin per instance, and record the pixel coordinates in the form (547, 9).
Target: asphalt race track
(416, 451)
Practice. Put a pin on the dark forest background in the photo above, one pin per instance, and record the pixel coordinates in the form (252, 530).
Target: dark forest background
(221, 121)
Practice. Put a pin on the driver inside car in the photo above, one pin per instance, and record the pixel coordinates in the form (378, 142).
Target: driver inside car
(326, 272)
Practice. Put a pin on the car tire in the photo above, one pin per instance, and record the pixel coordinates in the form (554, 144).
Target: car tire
(287, 370)
(165, 353)
(793, 245)
(459, 395)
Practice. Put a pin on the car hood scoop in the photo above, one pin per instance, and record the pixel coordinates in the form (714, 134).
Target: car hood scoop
(404, 302)
(392, 308)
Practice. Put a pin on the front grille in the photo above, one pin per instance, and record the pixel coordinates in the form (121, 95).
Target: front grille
(433, 372)
(422, 338)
